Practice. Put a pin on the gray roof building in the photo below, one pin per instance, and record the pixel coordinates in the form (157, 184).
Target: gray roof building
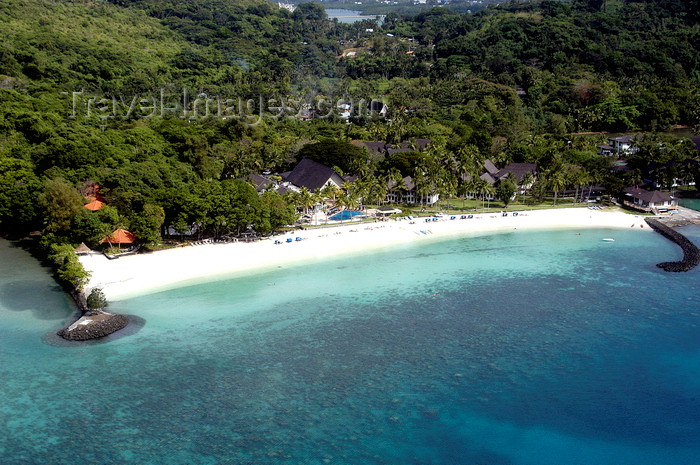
(519, 170)
(313, 175)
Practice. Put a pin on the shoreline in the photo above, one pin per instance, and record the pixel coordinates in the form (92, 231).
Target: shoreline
(143, 274)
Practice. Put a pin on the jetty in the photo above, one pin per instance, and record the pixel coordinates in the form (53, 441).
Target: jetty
(691, 253)
(93, 324)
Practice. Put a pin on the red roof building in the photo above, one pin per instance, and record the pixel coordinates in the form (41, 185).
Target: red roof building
(120, 236)
(94, 205)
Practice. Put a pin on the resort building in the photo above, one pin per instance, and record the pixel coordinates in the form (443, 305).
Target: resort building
(261, 183)
(525, 175)
(91, 192)
(380, 150)
(120, 237)
(656, 202)
(621, 145)
(383, 212)
(490, 168)
(696, 141)
(520, 172)
(406, 192)
(313, 176)
(94, 205)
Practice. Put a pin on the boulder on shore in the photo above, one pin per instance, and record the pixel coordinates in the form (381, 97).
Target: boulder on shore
(93, 325)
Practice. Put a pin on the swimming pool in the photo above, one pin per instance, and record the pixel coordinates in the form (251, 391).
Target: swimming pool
(345, 215)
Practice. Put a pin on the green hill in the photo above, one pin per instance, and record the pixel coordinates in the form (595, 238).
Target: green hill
(91, 44)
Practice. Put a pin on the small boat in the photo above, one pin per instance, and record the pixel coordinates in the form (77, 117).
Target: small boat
(609, 239)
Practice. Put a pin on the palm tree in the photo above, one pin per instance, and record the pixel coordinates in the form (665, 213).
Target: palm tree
(527, 182)
(398, 182)
(447, 186)
(479, 185)
(306, 200)
(295, 199)
(329, 191)
(379, 187)
(317, 198)
(488, 191)
(557, 181)
(341, 200)
(581, 178)
(593, 177)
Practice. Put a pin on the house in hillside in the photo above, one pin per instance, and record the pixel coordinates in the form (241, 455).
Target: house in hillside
(313, 176)
(94, 205)
(344, 111)
(696, 141)
(649, 201)
(416, 145)
(306, 113)
(261, 183)
(189, 230)
(95, 200)
(381, 150)
(620, 145)
(378, 108)
(406, 192)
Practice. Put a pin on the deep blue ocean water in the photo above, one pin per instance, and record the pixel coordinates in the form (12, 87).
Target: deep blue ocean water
(522, 348)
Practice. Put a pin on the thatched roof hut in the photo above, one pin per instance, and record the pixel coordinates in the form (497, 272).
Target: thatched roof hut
(82, 249)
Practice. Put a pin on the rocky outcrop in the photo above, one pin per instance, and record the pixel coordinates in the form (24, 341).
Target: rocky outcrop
(691, 254)
(93, 325)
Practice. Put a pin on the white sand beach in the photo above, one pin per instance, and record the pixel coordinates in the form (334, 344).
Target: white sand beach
(145, 273)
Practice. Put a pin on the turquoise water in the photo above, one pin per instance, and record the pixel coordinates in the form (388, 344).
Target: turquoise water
(691, 203)
(524, 348)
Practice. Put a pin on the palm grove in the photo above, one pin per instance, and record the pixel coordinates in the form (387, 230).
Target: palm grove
(510, 83)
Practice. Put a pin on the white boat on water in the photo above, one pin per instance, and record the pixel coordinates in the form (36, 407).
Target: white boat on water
(609, 239)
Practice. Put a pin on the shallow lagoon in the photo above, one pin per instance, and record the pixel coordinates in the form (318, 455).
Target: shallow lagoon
(516, 348)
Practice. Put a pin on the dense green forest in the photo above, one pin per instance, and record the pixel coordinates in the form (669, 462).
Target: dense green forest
(89, 93)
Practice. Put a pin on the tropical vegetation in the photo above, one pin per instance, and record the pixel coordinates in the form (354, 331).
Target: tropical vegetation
(159, 103)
